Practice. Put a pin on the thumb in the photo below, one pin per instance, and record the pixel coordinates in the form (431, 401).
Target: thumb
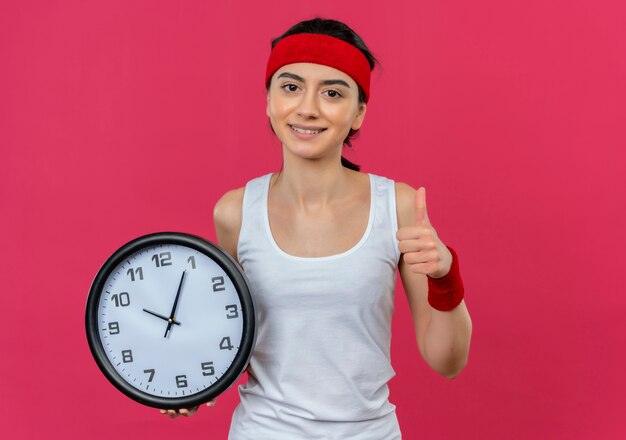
(420, 207)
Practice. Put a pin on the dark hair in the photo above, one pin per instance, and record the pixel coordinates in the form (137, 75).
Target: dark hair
(342, 31)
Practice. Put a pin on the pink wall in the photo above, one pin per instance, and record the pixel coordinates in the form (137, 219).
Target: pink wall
(123, 118)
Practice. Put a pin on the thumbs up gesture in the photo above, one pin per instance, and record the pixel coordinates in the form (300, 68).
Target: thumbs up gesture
(423, 251)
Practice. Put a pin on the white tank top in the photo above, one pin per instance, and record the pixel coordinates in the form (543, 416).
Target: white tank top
(321, 363)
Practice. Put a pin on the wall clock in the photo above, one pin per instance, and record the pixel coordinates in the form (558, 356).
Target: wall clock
(170, 320)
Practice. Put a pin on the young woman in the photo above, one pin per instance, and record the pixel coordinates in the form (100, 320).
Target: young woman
(320, 243)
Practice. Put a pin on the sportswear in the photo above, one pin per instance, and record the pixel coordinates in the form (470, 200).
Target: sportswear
(321, 363)
(321, 49)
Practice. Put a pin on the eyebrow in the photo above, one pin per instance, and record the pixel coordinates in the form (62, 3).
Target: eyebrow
(327, 82)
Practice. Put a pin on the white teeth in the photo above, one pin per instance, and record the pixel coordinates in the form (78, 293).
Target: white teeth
(300, 130)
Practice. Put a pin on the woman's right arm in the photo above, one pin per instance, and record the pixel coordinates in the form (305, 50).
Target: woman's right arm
(227, 220)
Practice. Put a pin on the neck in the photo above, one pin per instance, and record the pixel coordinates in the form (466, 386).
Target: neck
(312, 183)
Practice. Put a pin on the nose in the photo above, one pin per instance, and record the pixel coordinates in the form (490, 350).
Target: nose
(308, 106)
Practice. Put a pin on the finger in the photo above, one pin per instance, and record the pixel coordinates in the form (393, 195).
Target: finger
(211, 403)
(188, 412)
(415, 232)
(423, 268)
(410, 232)
(420, 207)
(420, 257)
(406, 233)
(405, 246)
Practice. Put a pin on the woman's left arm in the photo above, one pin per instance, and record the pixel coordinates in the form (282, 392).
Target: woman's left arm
(443, 337)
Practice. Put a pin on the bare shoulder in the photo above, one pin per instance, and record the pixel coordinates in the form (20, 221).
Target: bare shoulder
(227, 210)
(227, 219)
(405, 204)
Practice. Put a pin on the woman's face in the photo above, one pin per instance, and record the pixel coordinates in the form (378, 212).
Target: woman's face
(315, 97)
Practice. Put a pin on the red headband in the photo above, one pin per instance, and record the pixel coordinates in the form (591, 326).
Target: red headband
(321, 49)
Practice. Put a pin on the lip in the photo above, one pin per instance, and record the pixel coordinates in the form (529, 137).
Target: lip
(303, 135)
(307, 127)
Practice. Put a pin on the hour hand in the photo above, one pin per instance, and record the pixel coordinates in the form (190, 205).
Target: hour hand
(158, 315)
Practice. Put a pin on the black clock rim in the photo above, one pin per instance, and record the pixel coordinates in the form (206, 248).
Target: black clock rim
(237, 276)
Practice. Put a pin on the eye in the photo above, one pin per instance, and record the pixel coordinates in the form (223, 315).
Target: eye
(289, 87)
(334, 94)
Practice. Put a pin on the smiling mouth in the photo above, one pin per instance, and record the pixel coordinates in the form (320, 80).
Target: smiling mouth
(304, 131)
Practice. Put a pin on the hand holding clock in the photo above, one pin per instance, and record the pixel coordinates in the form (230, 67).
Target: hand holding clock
(172, 413)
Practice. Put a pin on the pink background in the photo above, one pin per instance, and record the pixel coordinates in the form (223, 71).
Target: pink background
(122, 118)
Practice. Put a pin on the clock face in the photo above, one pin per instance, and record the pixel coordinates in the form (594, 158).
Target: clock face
(170, 322)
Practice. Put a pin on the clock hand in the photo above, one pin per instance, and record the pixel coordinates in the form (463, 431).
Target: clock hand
(171, 318)
(165, 318)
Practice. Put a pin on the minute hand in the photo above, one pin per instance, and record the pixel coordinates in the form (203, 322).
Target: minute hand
(170, 321)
